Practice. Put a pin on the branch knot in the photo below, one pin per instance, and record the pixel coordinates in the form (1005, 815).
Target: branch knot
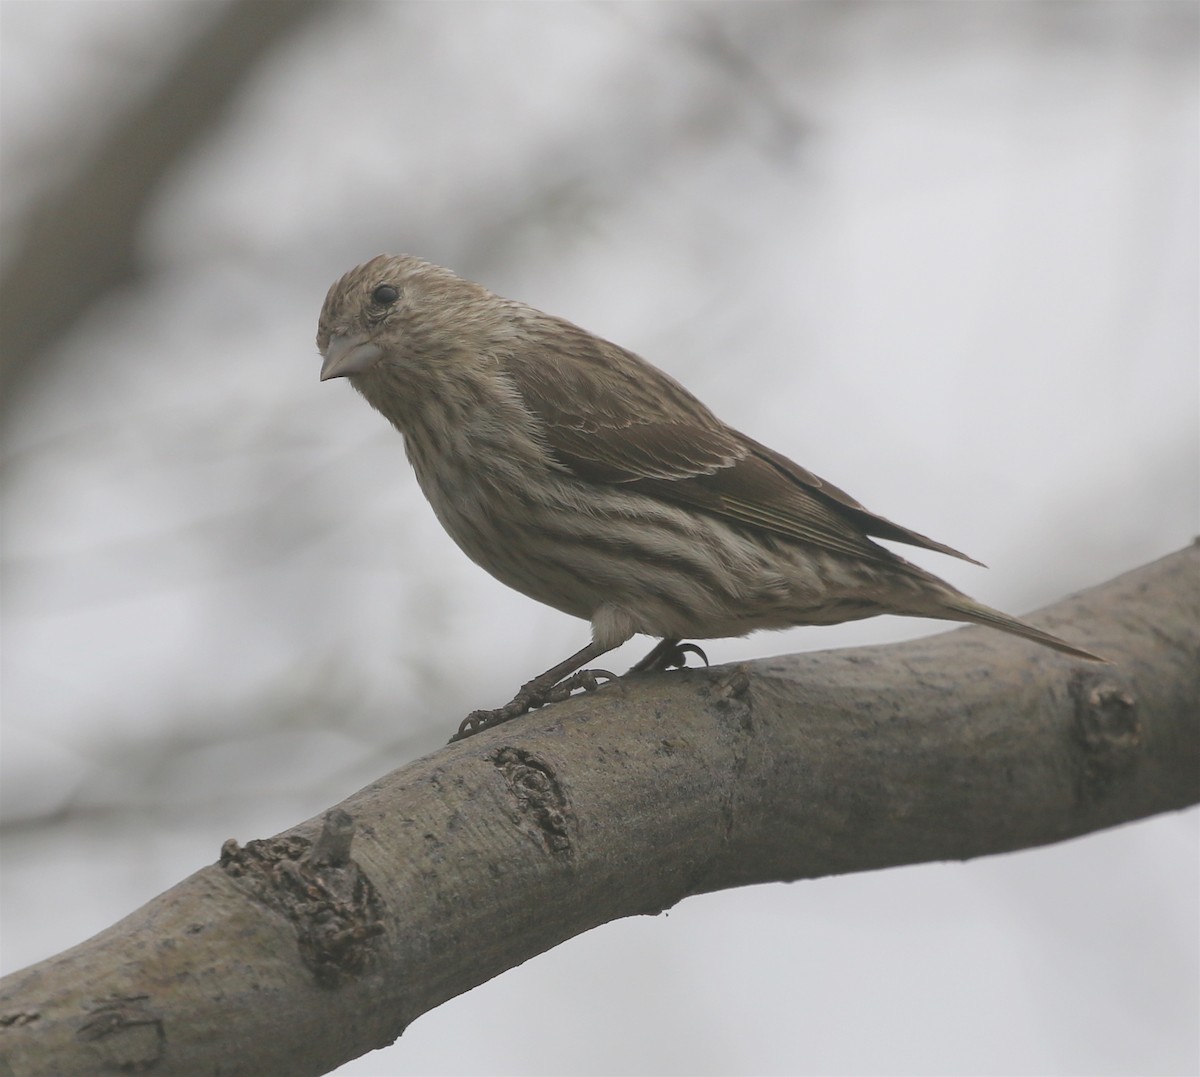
(332, 904)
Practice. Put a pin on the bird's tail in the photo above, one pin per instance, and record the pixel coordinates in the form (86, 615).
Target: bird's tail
(967, 609)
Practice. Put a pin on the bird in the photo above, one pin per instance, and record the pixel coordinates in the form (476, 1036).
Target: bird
(584, 477)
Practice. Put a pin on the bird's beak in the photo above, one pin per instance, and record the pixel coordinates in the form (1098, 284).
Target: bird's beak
(348, 354)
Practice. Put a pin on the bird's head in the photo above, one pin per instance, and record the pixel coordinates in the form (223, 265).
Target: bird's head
(390, 309)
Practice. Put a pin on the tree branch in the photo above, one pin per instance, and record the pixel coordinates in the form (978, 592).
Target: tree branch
(295, 954)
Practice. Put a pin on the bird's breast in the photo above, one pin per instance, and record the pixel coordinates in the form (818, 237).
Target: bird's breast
(496, 491)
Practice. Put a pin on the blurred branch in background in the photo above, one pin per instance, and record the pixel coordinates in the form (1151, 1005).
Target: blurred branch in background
(80, 241)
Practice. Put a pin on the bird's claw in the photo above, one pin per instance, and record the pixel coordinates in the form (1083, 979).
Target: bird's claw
(587, 679)
(668, 654)
(678, 657)
(531, 697)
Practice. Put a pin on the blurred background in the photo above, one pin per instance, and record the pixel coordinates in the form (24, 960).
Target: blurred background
(943, 254)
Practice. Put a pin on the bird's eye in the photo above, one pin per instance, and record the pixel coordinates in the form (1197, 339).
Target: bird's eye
(385, 295)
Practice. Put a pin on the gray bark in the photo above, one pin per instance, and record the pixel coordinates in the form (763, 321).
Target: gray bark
(297, 953)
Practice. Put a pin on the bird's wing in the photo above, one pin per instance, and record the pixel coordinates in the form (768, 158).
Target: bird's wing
(610, 417)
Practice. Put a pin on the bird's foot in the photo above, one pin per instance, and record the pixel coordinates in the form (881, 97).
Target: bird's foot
(668, 654)
(530, 697)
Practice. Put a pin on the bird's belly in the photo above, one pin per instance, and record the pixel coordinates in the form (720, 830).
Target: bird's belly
(608, 555)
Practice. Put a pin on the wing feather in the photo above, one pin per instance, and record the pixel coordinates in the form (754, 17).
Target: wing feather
(610, 417)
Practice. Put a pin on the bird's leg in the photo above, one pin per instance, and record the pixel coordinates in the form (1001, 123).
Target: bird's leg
(667, 654)
(550, 687)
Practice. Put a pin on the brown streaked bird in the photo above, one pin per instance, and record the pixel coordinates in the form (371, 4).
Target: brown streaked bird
(580, 475)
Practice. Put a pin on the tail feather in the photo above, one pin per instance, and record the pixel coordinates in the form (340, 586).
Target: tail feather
(976, 612)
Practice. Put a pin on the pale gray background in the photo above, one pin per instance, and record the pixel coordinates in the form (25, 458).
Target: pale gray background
(943, 254)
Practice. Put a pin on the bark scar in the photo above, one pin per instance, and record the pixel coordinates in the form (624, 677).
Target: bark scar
(1107, 729)
(332, 904)
(541, 800)
(125, 1032)
(734, 702)
(19, 1019)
